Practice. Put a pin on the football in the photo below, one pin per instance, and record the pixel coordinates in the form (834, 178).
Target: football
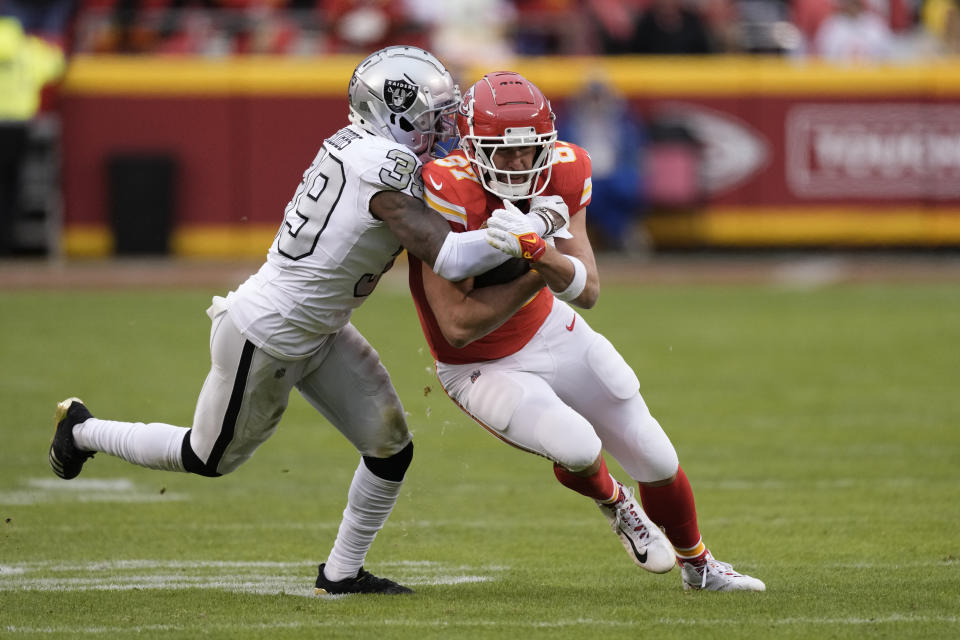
(512, 269)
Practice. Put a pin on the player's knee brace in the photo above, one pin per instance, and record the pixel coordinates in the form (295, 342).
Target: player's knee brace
(392, 468)
(192, 462)
(567, 438)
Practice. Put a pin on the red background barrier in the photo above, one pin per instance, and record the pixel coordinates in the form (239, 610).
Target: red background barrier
(790, 155)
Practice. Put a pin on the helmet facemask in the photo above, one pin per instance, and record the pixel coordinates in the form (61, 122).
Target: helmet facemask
(502, 112)
(482, 152)
(428, 131)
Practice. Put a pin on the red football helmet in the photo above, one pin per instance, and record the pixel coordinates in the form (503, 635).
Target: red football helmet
(504, 109)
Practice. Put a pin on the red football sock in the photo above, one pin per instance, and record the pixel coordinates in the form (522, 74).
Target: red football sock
(600, 486)
(671, 507)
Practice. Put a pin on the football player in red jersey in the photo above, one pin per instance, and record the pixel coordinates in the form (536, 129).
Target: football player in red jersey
(517, 358)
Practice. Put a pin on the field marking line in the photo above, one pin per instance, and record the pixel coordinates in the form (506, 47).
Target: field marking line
(894, 618)
(129, 565)
(125, 565)
(194, 526)
(809, 274)
(47, 490)
(246, 583)
(81, 484)
(254, 577)
(30, 498)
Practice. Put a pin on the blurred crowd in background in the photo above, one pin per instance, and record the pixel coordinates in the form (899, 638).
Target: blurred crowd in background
(460, 31)
(636, 164)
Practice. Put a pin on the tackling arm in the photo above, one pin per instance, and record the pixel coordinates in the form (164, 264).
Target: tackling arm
(453, 256)
(465, 314)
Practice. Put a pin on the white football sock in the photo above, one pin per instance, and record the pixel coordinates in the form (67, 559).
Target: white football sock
(369, 504)
(155, 445)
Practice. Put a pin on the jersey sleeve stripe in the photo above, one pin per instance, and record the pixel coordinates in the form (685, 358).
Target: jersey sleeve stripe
(587, 190)
(448, 210)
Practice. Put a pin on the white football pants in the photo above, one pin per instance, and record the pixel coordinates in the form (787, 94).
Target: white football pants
(245, 395)
(240, 405)
(247, 390)
(566, 395)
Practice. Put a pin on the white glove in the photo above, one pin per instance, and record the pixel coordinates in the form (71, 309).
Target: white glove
(513, 232)
(543, 207)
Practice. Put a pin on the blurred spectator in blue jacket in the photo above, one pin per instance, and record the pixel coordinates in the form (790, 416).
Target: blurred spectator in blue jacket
(599, 120)
(47, 19)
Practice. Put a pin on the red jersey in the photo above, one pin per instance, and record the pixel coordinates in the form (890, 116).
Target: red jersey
(452, 189)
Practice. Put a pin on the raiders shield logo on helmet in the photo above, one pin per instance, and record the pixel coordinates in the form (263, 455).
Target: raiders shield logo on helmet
(399, 95)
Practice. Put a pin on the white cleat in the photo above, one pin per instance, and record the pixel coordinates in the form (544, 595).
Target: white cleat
(717, 576)
(645, 543)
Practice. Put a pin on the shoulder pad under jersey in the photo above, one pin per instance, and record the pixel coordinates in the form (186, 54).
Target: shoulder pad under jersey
(451, 189)
(571, 175)
(382, 163)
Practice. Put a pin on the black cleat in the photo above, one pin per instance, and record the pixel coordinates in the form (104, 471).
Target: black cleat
(365, 582)
(65, 458)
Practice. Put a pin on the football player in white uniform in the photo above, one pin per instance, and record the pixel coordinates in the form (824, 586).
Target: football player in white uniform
(288, 326)
(520, 361)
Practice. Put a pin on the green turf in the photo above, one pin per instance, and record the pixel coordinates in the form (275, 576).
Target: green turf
(818, 427)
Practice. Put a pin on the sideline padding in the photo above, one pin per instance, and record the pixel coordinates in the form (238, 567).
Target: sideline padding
(116, 75)
(808, 227)
(650, 76)
(243, 128)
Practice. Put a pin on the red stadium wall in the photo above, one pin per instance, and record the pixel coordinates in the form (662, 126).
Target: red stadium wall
(791, 155)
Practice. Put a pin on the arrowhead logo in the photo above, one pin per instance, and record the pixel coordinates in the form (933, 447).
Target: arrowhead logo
(734, 151)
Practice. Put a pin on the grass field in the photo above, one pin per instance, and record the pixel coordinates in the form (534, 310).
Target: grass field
(820, 428)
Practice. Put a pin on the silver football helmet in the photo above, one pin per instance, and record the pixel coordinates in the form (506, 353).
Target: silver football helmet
(405, 94)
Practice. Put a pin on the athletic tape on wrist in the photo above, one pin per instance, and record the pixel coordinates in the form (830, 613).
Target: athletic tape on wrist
(538, 218)
(544, 216)
(577, 285)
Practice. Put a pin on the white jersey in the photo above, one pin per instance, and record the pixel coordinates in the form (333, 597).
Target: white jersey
(330, 250)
